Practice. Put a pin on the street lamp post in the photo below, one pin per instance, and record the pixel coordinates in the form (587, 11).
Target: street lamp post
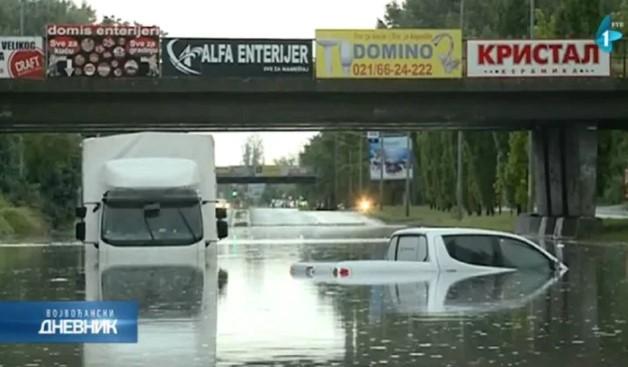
(460, 138)
(350, 199)
(21, 17)
(20, 137)
(335, 195)
(409, 166)
(382, 162)
(360, 164)
(530, 154)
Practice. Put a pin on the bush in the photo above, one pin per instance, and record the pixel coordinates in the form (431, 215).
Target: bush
(3, 202)
(24, 221)
(614, 192)
(5, 228)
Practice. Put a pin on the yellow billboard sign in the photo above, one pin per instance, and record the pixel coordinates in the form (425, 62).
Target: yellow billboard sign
(272, 171)
(389, 53)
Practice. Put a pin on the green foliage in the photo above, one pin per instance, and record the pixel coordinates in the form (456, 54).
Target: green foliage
(23, 221)
(517, 169)
(41, 171)
(53, 162)
(5, 228)
(38, 13)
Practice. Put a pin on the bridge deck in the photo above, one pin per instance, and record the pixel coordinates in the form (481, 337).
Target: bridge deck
(308, 104)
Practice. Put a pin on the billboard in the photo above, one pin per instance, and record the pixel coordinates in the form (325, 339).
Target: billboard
(389, 53)
(397, 157)
(536, 58)
(21, 58)
(106, 51)
(236, 57)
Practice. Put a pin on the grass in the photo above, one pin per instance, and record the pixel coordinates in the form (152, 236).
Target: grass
(613, 230)
(423, 215)
(20, 223)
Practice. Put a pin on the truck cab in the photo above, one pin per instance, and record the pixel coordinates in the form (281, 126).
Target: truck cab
(147, 193)
(149, 222)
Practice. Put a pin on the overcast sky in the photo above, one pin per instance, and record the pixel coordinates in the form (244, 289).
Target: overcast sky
(247, 19)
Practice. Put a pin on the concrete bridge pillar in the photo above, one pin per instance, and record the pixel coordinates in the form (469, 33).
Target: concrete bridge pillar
(565, 179)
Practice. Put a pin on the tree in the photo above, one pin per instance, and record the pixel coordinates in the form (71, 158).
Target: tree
(38, 13)
(51, 161)
(517, 170)
(253, 151)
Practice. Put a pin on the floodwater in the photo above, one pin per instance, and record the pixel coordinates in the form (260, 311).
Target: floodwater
(267, 317)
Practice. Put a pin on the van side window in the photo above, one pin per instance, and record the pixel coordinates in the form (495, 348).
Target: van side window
(411, 248)
(495, 251)
(474, 249)
(520, 255)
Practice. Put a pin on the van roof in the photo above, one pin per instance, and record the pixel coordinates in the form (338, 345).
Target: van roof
(444, 231)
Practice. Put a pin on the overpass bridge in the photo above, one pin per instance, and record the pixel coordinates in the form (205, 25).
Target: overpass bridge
(265, 174)
(99, 105)
(563, 113)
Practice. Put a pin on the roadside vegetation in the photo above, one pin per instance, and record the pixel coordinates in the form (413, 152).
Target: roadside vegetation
(495, 163)
(21, 222)
(39, 173)
(613, 230)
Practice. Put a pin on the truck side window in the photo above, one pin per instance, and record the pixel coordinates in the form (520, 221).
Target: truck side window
(412, 248)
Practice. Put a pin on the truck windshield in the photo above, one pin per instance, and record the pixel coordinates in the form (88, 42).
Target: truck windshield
(128, 224)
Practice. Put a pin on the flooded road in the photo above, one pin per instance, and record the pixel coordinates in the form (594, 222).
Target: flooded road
(267, 317)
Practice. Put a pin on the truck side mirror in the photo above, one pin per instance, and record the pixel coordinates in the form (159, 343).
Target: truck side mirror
(222, 228)
(221, 213)
(80, 212)
(80, 231)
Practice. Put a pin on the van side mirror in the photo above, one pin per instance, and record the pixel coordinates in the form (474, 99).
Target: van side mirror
(80, 231)
(222, 229)
(80, 212)
(221, 213)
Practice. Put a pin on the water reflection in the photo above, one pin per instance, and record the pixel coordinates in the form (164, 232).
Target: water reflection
(461, 294)
(177, 316)
(269, 318)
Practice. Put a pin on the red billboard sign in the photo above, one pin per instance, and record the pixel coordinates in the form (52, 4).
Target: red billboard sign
(107, 51)
(21, 58)
(535, 58)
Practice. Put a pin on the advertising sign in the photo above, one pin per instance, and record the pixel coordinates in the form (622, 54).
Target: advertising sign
(397, 157)
(389, 53)
(236, 57)
(107, 51)
(21, 58)
(540, 58)
(68, 322)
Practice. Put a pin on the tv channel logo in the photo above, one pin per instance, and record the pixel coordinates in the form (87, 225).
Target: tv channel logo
(606, 35)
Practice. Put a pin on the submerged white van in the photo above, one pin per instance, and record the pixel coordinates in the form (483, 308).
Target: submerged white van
(418, 250)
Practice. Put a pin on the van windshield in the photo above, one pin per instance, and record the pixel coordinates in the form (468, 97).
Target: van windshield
(166, 224)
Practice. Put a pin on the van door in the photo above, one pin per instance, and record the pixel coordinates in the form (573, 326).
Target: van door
(411, 248)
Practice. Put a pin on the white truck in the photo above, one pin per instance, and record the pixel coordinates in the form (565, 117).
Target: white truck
(149, 221)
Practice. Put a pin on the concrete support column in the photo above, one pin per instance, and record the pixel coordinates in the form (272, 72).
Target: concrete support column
(566, 172)
(565, 180)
